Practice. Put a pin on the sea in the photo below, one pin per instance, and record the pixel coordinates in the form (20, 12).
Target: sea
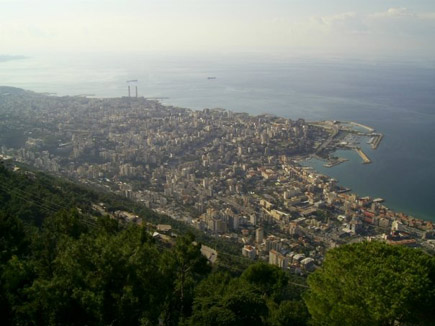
(397, 98)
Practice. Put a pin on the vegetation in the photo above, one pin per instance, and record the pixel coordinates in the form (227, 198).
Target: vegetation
(257, 297)
(373, 284)
(64, 264)
(61, 263)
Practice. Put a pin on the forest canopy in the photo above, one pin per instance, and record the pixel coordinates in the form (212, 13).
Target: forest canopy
(373, 284)
(63, 264)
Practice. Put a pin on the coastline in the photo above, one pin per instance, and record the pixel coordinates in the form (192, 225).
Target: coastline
(370, 95)
(227, 168)
(320, 166)
(331, 161)
(369, 131)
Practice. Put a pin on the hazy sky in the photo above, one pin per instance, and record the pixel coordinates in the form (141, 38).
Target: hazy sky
(338, 27)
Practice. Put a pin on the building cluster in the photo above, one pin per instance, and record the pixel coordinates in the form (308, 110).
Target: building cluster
(229, 174)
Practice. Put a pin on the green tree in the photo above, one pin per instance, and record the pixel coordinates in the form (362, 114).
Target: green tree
(100, 279)
(271, 280)
(55, 230)
(222, 301)
(288, 312)
(14, 243)
(183, 267)
(13, 239)
(17, 275)
(373, 283)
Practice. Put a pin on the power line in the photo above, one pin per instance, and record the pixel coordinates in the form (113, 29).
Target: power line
(239, 269)
(22, 197)
(47, 207)
(28, 197)
(29, 194)
(54, 208)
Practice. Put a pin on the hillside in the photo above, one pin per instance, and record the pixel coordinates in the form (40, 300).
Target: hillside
(72, 255)
(68, 257)
(32, 195)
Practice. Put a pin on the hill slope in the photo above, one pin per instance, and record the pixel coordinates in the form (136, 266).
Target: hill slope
(62, 262)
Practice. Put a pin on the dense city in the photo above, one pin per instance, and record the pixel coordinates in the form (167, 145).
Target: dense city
(229, 174)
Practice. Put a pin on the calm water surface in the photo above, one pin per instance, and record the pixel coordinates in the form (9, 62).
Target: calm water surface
(396, 99)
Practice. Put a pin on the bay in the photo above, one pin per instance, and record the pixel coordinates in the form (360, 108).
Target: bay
(397, 99)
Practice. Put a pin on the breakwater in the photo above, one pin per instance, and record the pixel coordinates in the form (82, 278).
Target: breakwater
(376, 140)
(365, 158)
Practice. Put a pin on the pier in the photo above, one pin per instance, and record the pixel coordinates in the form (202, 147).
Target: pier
(365, 158)
(376, 140)
(334, 162)
(362, 126)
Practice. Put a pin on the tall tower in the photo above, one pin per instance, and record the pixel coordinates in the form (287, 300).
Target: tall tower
(129, 83)
(259, 235)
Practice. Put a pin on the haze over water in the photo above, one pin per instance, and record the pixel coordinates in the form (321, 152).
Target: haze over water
(396, 99)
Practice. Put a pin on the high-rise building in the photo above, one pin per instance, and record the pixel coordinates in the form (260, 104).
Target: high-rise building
(259, 235)
(249, 251)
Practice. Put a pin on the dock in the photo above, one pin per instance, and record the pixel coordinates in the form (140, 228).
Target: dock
(362, 126)
(365, 158)
(376, 140)
(335, 162)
